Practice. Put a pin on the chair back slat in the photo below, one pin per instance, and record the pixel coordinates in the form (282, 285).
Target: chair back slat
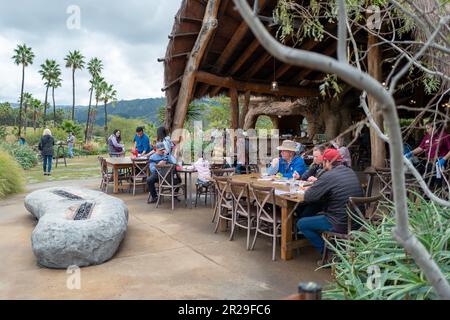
(366, 208)
(140, 168)
(165, 174)
(263, 196)
(240, 192)
(222, 172)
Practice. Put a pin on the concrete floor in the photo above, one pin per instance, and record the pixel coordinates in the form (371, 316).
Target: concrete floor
(165, 255)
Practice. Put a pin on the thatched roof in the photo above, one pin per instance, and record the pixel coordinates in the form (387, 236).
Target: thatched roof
(234, 52)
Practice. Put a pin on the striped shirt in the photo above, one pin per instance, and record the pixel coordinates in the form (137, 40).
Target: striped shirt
(333, 189)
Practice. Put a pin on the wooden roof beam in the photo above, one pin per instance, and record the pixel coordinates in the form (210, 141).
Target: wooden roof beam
(261, 88)
(182, 34)
(185, 94)
(330, 50)
(172, 83)
(235, 40)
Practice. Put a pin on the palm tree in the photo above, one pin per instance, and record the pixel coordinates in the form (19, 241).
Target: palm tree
(36, 106)
(95, 67)
(48, 71)
(27, 101)
(74, 60)
(96, 84)
(23, 56)
(55, 82)
(108, 94)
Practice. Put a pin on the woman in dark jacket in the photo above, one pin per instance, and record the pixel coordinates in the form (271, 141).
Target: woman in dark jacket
(46, 147)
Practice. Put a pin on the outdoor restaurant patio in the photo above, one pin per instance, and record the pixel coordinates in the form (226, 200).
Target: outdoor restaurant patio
(165, 255)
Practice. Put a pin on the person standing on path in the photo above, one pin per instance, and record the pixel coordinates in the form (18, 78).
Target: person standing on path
(46, 147)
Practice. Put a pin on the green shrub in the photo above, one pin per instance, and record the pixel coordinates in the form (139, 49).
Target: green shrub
(24, 154)
(374, 266)
(12, 178)
(33, 138)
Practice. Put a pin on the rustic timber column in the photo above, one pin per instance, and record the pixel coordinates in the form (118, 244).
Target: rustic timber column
(378, 150)
(187, 85)
(275, 122)
(234, 106)
(244, 109)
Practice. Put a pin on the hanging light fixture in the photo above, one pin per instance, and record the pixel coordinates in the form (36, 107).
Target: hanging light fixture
(274, 86)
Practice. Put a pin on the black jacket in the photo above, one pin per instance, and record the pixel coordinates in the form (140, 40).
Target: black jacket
(333, 189)
(314, 171)
(46, 145)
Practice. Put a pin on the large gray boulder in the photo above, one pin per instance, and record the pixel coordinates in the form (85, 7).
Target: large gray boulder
(78, 227)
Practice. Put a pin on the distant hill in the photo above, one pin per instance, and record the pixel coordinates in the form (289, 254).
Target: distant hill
(138, 108)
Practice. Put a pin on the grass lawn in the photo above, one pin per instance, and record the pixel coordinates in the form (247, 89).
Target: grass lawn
(77, 168)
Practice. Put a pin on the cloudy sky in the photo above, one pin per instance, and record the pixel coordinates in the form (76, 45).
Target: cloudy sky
(128, 36)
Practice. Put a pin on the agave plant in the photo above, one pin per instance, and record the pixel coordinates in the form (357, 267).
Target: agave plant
(372, 265)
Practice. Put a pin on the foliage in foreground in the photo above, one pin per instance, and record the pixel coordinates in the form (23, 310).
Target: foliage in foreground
(11, 175)
(26, 157)
(374, 266)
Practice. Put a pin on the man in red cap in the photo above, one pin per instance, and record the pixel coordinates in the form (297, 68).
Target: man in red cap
(331, 191)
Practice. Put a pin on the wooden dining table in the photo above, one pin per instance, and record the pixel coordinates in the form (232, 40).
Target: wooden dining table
(288, 202)
(119, 163)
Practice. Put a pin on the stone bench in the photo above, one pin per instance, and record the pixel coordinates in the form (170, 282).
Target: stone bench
(78, 227)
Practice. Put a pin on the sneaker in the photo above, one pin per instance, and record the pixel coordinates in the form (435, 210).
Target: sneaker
(45, 173)
(49, 174)
(154, 200)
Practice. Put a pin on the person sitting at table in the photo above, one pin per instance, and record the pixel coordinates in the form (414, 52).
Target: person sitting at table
(289, 162)
(115, 148)
(142, 142)
(332, 190)
(157, 158)
(316, 169)
(163, 136)
(338, 144)
(436, 146)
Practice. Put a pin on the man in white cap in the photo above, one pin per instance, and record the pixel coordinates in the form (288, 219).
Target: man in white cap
(289, 162)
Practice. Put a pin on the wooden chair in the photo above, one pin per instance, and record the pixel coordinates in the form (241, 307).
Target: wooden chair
(222, 172)
(371, 214)
(250, 168)
(244, 215)
(167, 187)
(224, 203)
(106, 176)
(268, 222)
(204, 189)
(139, 172)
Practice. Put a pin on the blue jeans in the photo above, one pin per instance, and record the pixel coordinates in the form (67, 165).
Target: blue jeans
(312, 227)
(70, 146)
(48, 163)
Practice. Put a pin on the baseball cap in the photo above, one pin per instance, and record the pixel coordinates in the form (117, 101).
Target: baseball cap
(332, 155)
(160, 146)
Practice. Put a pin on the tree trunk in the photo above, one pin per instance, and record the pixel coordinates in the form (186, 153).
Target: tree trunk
(92, 121)
(244, 109)
(21, 100)
(234, 107)
(45, 107)
(106, 122)
(195, 57)
(378, 150)
(54, 106)
(89, 115)
(34, 120)
(25, 118)
(73, 93)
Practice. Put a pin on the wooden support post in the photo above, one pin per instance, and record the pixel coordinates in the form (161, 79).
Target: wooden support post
(244, 109)
(187, 85)
(378, 149)
(234, 106)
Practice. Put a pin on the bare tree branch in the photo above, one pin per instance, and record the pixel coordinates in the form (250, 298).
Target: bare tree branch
(363, 81)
